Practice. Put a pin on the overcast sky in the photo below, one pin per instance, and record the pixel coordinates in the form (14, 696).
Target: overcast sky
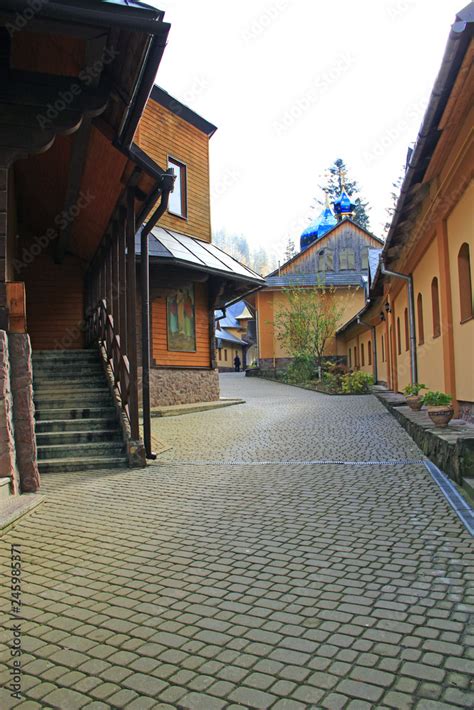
(294, 84)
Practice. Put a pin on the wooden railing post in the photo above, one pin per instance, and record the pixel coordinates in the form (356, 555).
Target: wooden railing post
(122, 278)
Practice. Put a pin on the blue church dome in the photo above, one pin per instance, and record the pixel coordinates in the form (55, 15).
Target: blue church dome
(343, 206)
(318, 228)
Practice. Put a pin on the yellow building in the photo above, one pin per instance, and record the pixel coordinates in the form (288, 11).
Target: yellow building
(421, 306)
(334, 258)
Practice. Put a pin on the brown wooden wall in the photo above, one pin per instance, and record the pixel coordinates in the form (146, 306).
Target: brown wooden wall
(159, 344)
(54, 303)
(162, 134)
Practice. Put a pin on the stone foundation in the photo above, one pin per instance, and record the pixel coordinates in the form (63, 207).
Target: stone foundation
(18, 459)
(7, 437)
(168, 386)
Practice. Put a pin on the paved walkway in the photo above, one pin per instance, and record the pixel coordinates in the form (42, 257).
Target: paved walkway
(244, 584)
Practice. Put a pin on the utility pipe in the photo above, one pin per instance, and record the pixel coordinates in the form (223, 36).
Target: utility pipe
(374, 346)
(166, 188)
(411, 318)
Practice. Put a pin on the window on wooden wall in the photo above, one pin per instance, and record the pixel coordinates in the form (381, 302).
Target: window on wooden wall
(329, 260)
(346, 259)
(369, 352)
(178, 198)
(365, 258)
(362, 354)
(421, 325)
(399, 337)
(465, 284)
(407, 329)
(435, 307)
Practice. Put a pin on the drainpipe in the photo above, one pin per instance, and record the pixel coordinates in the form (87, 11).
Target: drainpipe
(166, 188)
(411, 318)
(374, 346)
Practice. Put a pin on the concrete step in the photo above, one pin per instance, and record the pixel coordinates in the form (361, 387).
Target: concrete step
(71, 465)
(63, 360)
(96, 450)
(73, 383)
(55, 354)
(65, 369)
(73, 400)
(45, 412)
(43, 426)
(5, 489)
(72, 438)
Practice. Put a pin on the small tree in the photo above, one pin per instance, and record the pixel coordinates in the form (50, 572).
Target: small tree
(306, 321)
(333, 188)
(290, 250)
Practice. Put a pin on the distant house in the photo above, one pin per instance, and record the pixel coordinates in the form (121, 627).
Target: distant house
(235, 336)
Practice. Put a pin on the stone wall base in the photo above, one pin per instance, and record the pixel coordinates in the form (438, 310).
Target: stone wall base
(466, 411)
(168, 386)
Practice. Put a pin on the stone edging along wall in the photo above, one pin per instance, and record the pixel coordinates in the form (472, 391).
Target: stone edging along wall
(452, 451)
(187, 386)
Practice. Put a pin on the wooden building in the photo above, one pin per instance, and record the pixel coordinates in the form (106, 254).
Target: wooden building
(78, 191)
(421, 308)
(334, 258)
(189, 276)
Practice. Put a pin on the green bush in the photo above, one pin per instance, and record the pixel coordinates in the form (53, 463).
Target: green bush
(414, 389)
(356, 383)
(437, 399)
(301, 369)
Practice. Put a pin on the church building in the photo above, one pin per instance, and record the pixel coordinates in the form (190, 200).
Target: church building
(334, 257)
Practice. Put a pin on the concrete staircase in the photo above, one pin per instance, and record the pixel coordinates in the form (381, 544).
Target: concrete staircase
(76, 421)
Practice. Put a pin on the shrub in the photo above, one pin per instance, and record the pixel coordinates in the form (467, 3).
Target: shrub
(356, 383)
(437, 399)
(414, 389)
(301, 369)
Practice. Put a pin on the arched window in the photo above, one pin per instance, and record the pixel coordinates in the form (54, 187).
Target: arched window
(362, 354)
(435, 306)
(356, 358)
(399, 337)
(407, 330)
(421, 326)
(465, 284)
(349, 351)
(369, 352)
(383, 349)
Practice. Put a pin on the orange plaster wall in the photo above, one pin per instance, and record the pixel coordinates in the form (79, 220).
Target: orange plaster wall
(430, 355)
(403, 359)
(264, 307)
(461, 229)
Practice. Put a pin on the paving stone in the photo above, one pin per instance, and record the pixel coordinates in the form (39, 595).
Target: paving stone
(65, 698)
(252, 698)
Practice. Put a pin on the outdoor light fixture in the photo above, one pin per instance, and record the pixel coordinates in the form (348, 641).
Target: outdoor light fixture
(387, 307)
(382, 315)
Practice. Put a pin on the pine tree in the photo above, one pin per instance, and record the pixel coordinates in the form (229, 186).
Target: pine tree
(290, 250)
(334, 186)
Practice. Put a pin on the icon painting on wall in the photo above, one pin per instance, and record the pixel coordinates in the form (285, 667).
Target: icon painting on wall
(181, 320)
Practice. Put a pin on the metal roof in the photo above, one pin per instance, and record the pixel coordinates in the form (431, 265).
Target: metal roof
(374, 261)
(168, 246)
(323, 280)
(224, 335)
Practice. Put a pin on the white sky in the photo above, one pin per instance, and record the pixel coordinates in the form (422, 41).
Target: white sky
(294, 84)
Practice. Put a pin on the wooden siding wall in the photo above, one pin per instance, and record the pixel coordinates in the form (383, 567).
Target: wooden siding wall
(55, 303)
(162, 134)
(346, 237)
(161, 355)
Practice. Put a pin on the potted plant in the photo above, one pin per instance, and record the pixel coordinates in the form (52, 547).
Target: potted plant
(439, 407)
(413, 397)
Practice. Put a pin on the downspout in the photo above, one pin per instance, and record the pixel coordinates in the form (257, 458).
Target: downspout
(166, 187)
(411, 318)
(374, 346)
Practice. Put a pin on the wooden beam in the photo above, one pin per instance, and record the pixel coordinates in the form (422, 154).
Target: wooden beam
(122, 278)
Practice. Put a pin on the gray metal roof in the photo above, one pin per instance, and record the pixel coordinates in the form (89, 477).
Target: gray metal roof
(374, 260)
(327, 279)
(174, 247)
(224, 335)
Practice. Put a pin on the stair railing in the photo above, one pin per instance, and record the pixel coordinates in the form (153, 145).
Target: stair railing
(101, 332)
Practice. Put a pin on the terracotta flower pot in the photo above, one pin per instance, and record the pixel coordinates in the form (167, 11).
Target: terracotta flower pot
(415, 402)
(441, 416)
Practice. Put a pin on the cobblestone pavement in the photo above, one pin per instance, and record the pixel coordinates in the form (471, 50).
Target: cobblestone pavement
(277, 585)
